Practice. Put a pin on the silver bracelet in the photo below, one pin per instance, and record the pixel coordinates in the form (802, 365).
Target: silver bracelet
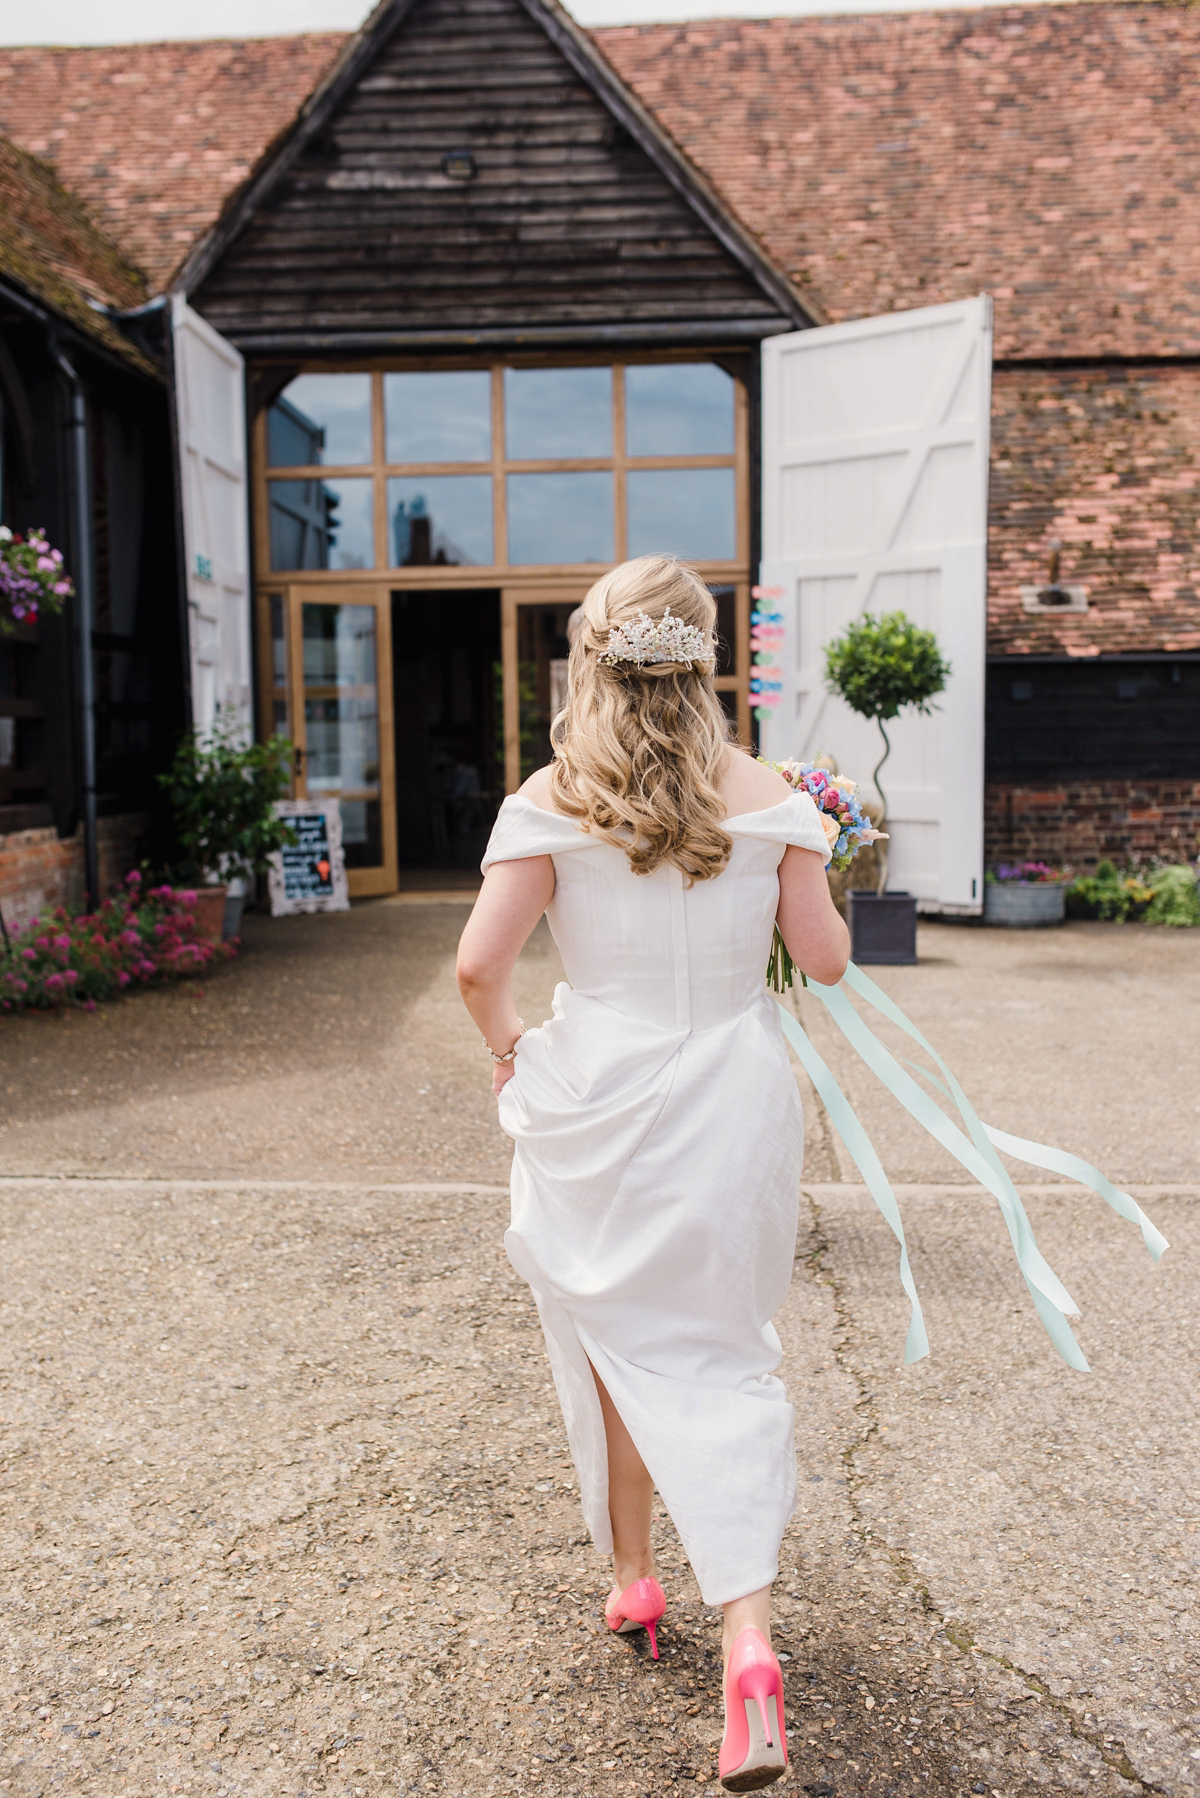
(512, 1051)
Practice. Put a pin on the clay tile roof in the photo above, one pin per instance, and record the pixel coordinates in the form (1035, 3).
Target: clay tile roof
(50, 248)
(154, 137)
(1047, 154)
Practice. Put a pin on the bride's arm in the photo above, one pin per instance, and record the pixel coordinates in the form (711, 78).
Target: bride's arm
(813, 932)
(512, 899)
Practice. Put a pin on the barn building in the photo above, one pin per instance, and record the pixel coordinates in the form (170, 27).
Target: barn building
(92, 701)
(464, 306)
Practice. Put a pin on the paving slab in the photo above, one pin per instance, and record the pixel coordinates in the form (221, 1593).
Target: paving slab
(286, 1499)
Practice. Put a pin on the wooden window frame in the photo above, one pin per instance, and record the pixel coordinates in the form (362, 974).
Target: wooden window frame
(528, 583)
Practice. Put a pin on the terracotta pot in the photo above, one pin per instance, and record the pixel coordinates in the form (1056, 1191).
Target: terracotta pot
(209, 913)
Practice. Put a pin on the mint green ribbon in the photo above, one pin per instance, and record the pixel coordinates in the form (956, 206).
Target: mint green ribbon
(976, 1150)
(862, 1150)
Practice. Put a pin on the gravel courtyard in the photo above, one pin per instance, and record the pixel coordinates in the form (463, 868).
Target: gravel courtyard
(286, 1500)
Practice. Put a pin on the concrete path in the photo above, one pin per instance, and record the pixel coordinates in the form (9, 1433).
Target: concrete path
(286, 1502)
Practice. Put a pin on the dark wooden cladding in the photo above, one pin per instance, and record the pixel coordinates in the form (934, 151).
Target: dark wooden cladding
(567, 221)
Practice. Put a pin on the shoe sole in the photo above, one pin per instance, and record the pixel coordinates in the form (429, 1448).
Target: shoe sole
(764, 1763)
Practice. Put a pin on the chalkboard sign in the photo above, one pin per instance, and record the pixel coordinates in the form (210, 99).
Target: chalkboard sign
(309, 874)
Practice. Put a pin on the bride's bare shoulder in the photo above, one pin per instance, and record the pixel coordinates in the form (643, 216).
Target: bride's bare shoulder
(749, 785)
(537, 788)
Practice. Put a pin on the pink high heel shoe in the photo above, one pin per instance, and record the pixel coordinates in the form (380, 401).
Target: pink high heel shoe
(754, 1752)
(639, 1606)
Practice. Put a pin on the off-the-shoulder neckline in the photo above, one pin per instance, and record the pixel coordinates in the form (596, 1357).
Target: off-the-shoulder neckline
(764, 811)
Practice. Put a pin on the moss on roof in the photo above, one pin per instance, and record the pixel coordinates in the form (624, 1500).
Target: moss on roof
(51, 249)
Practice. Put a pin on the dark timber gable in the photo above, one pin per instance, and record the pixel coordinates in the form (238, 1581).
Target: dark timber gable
(569, 225)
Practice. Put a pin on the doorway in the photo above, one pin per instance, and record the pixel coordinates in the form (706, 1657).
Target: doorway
(449, 724)
(323, 655)
(535, 676)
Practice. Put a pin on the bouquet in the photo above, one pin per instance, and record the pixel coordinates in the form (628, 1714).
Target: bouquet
(847, 829)
(31, 575)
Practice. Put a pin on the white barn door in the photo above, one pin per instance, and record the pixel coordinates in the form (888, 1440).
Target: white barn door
(874, 478)
(211, 412)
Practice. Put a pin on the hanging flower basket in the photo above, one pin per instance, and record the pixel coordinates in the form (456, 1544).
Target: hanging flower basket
(31, 579)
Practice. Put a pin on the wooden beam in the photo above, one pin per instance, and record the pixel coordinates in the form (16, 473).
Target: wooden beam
(511, 689)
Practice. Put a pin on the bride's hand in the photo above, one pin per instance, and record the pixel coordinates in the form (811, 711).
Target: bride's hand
(502, 1073)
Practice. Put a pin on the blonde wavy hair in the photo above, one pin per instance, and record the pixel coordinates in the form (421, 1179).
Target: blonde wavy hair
(639, 751)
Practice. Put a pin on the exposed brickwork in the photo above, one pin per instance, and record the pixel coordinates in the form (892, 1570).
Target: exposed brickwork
(154, 137)
(1107, 461)
(1080, 823)
(1044, 154)
(40, 870)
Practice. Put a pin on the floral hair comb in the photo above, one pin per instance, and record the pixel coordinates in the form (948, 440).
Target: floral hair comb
(644, 643)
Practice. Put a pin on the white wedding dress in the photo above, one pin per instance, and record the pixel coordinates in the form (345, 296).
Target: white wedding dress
(659, 1138)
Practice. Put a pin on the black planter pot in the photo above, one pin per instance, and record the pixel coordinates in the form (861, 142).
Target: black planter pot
(882, 930)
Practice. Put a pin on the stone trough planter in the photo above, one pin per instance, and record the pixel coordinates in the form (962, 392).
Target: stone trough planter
(1024, 905)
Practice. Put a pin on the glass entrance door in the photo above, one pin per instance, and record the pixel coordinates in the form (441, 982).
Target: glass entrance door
(534, 633)
(535, 647)
(338, 654)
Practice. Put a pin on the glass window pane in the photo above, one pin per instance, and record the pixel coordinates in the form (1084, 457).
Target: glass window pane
(322, 524)
(362, 832)
(439, 415)
(341, 700)
(560, 517)
(678, 409)
(685, 512)
(557, 412)
(441, 518)
(322, 419)
(278, 640)
(542, 652)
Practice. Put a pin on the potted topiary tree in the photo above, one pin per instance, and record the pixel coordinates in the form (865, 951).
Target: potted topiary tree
(223, 794)
(881, 667)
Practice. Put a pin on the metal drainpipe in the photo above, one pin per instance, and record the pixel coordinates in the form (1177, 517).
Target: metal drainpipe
(85, 603)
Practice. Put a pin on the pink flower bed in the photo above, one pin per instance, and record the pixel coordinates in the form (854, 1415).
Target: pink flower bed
(140, 938)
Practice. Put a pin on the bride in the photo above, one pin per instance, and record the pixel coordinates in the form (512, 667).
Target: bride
(657, 1123)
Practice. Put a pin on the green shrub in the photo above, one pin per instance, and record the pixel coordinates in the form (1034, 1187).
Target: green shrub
(223, 795)
(1176, 897)
(1099, 895)
(881, 667)
(1155, 895)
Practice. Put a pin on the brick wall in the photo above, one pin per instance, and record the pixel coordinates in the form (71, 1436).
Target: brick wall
(40, 870)
(1079, 823)
(1108, 461)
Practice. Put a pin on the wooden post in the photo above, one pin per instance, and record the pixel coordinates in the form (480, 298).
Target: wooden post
(512, 691)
